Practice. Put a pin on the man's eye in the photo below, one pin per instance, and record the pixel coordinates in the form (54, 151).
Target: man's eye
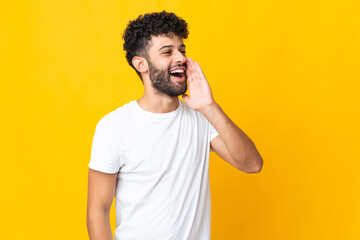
(167, 52)
(183, 52)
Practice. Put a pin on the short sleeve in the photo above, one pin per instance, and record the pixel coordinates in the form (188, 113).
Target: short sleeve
(213, 133)
(105, 151)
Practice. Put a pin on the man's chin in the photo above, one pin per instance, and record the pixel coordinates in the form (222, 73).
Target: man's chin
(178, 87)
(179, 93)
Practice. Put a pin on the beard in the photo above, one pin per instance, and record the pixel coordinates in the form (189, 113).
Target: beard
(161, 82)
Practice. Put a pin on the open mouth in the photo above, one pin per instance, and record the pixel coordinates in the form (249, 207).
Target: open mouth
(178, 74)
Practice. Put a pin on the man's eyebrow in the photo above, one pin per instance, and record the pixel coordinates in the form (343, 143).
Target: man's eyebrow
(166, 46)
(171, 46)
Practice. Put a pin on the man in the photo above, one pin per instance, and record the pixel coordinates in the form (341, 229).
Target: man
(153, 154)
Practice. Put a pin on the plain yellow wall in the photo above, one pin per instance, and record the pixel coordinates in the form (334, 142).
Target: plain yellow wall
(286, 72)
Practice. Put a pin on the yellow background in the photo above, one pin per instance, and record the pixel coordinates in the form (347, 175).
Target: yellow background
(286, 72)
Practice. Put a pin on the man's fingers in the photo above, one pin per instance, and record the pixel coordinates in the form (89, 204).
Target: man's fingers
(190, 71)
(198, 68)
(189, 75)
(195, 67)
(188, 66)
(194, 71)
(192, 65)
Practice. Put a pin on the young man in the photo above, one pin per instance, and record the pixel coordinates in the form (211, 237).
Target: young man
(153, 154)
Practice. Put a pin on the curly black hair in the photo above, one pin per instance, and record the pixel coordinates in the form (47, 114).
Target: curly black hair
(138, 32)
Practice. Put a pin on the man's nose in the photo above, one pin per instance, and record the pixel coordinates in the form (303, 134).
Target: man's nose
(180, 57)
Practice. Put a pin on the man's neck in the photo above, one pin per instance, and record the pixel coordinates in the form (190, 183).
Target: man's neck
(158, 103)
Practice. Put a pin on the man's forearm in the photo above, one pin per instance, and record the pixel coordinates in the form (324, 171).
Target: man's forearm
(98, 226)
(241, 148)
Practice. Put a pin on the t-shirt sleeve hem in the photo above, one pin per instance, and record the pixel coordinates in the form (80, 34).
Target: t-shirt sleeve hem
(102, 168)
(213, 135)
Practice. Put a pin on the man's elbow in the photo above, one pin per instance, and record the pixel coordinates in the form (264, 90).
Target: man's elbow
(95, 215)
(256, 170)
(255, 166)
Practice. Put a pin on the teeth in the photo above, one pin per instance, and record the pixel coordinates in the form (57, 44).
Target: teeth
(177, 71)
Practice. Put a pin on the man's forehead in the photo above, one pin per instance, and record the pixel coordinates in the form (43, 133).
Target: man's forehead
(163, 40)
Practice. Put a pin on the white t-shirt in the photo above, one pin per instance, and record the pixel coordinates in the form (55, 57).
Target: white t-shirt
(163, 190)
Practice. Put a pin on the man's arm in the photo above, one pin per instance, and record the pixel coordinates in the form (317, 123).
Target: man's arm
(232, 145)
(101, 192)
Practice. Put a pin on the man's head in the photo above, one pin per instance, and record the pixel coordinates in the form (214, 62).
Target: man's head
(154, 47)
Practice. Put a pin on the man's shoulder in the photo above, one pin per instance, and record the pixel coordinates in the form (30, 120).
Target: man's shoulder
(124, 108)
(119, 113)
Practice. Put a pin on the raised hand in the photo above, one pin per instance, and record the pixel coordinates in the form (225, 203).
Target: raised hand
(199, 89)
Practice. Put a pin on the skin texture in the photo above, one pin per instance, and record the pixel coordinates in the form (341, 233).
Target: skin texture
(231, 144)
(164, 59)
(101, 192)
(161, 81)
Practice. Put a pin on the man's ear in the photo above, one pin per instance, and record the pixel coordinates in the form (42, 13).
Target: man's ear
(140, 64)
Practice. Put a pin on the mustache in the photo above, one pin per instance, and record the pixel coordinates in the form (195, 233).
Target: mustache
(178, 65)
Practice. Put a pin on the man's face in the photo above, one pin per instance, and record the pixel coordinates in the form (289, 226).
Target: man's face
(167, 65)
